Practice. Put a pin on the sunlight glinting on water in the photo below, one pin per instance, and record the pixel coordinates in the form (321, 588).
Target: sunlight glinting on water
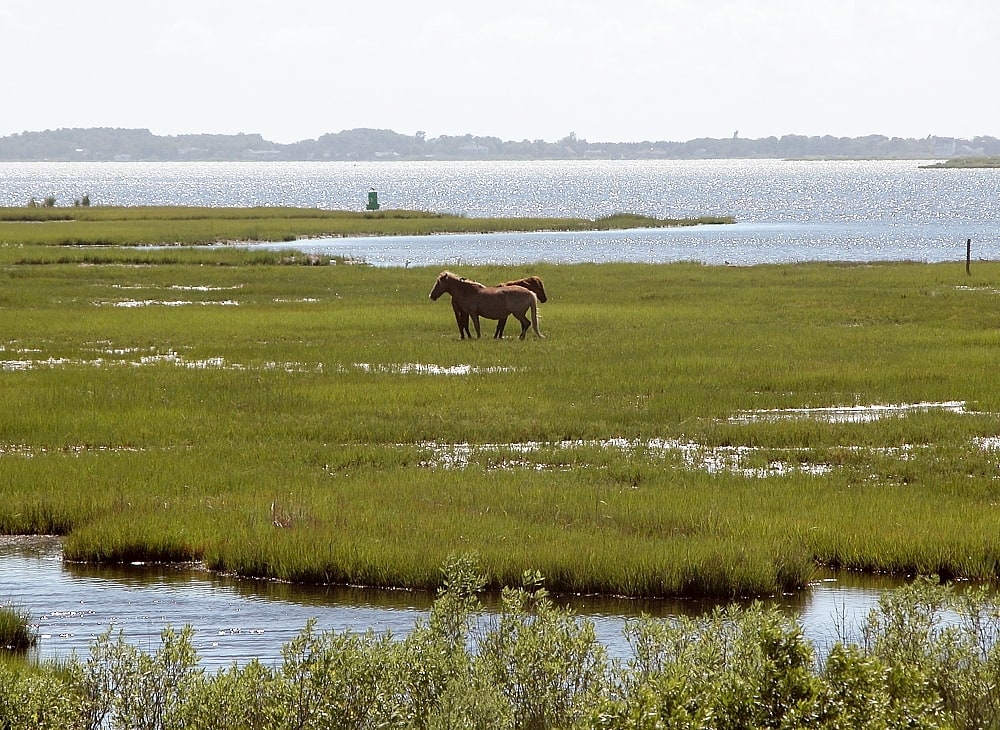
(220, 363)
(710, 459)
(846, 414)
(786, 211)
(134, 303)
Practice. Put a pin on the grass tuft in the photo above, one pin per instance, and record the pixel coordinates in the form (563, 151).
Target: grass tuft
(16, 633)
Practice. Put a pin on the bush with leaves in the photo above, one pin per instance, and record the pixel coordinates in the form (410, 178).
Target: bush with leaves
(346, 680)
(945, 640)
(129, 688)
(929, 658)
(439, 686)
(236, 698)
(546, 662)
(39, 700)
(732, 668)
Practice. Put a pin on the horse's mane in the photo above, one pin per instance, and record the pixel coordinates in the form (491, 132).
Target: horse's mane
(461, 279)
(467, 283)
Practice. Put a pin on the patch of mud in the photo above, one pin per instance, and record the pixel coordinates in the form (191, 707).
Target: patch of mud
(739, 460)
(294, 367)
(172, 358)
(220, 363)
(37, 545)
(50, 362)
(846, 414)
(733, 460)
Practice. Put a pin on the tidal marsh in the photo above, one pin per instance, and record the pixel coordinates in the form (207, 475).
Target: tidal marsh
(297, 430)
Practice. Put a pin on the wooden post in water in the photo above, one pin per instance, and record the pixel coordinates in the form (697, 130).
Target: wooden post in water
(968, 256)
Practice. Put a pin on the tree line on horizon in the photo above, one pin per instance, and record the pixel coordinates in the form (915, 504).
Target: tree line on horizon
(113, 144)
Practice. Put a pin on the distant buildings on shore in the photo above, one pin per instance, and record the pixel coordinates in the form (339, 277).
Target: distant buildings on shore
(123, 145)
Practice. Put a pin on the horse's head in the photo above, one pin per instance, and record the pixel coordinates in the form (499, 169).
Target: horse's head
(535, 284)
(442, 284)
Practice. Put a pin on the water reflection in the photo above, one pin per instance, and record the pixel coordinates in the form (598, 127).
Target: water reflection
(739, 244)
(237, 619)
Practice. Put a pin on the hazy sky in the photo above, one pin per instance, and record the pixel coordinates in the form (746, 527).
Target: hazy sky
(629, 70)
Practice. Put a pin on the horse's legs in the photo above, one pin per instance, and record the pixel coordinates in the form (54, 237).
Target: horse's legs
(501, 323)
(461, 319)
(525, 323)
(475, 321)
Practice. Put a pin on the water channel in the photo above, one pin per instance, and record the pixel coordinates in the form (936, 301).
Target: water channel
(237, 619)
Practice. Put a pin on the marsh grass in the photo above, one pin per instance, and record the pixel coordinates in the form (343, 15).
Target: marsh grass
(966, 162)
(15, 630)
(130, 227)
(307, 430)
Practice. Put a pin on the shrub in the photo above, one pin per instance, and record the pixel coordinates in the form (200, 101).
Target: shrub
(731, 668)
(544, 661)
(39, 700)
(928, 660)
(126, 687)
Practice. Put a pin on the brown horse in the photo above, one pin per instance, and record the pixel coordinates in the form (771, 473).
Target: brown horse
(492, 302)
(534, 283)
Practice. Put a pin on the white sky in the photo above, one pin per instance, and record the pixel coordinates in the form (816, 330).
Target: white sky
(630, 70)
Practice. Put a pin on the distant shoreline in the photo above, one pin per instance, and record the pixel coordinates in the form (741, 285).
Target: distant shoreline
(358, 145)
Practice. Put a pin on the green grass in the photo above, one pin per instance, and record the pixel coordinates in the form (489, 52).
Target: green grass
(23, 229)
(288, 422)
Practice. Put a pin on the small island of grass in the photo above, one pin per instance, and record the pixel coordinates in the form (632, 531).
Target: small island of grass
(965, 162)
(135, 226)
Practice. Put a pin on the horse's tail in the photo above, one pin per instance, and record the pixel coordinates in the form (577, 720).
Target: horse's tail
(534, 314)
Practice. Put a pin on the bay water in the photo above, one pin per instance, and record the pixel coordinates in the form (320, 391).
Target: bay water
(785, 211)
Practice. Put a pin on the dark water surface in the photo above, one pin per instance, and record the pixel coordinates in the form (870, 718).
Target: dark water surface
(236, 620)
